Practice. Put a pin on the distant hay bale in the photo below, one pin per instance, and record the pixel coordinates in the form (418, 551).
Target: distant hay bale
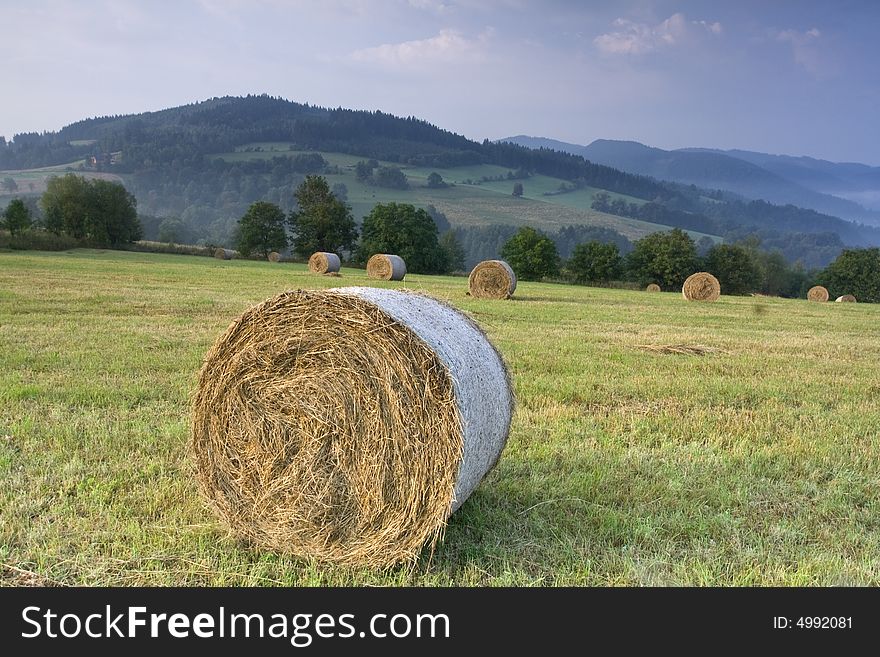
(652, 287)
(322, 262)
(354, 440)
(701, 286)
(386, 267)
(274, 256)
(846, 298)
(224, 254)
(817, 293)
(492, 279)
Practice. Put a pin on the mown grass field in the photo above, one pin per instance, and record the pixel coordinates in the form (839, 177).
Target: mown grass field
(756, 464)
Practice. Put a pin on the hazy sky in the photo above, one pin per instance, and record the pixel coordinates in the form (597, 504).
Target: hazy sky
(797, 77)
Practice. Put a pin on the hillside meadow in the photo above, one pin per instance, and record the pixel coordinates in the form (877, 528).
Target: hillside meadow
(754, 463)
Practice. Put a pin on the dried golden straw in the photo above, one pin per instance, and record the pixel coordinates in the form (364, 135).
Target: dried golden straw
(701, 286)
(224, 254)
(846, 298)
(386, 267)
(652, 287)
(817, 293)
(492, 279)
(274, 256)
(323, 262)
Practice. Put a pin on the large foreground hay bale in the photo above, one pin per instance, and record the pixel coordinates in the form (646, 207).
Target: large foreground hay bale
(323, 262)
(386, 267)
(701, 286)
(817, 293)
(846, 298)
(274, 256)
(224, 254)
(652, 287)
(346, 425)
(492, 279)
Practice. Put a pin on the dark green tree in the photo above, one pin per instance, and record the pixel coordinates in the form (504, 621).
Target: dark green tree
(321, 221)
(404, 230)
(65, 205)
(856, 272)
(531, 254)
(174, 230)
(390, 177)
(435, 181)
(9, 184)
(595, 262)
(112, 218)
(454, 251)
(261, 229)
(100, 211)
(665, 258)
(17, 216)
(517, 189)
(735, 268)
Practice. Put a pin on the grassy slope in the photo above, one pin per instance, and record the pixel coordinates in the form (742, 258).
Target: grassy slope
(758, 465)
(39, 178)
(472, 204)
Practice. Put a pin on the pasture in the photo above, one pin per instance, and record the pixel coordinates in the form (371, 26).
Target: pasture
(754, 460)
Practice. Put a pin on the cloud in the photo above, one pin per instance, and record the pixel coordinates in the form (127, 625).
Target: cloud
(806, 49)
(639, 38)
(448, 47)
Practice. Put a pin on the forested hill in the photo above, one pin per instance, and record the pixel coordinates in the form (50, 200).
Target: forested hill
(183, 136)
(198, 167)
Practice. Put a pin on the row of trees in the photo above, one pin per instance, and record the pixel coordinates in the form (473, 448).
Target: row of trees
(98, 212)
(668, 258)
(322, 222)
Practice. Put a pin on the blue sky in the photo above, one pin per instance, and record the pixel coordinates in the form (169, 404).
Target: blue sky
(796, 77)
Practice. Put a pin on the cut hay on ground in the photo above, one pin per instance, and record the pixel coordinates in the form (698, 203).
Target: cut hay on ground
(701, 286)
(347, 425)
(224, 254)
(386, 267)
(274, 256)
(492, 279)
(846, 298)
(652, 287)
(817, 293)
(322, 262)
(683, 349)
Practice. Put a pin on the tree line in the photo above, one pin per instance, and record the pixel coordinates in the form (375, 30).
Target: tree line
(323, 222)
(668, 258)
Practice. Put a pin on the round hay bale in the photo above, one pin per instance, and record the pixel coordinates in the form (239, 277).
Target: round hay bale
(386, 267)
(346, 425)
(322, 262)
(652, 287)
(492, 279)
(817, 293)
(274, 256)
(701, 286)
(224, 254)
(846, 298)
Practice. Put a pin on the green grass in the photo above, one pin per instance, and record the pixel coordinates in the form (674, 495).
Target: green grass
(754, 465)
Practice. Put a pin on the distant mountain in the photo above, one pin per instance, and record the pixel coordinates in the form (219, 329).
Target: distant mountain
(804, 182)
(850, 180)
